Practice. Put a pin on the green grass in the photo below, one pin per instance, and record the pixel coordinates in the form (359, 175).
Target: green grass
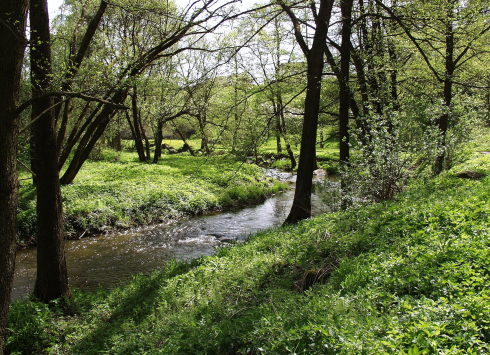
(327, 157)
(122, 192)
(409, 276)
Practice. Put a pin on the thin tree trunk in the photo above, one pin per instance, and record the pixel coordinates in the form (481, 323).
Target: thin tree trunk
(284, 135)
(76, 133)
(143, 136)
(136, 126)
(352, 101)
(75, 61)
(278, 128)
(93, 132)
(181, 135)
(158, 142)
(393, 75)
(204, 138)
(13, 13)
(278, 135)
(346, 9)
(62, 130)
(52, 276)
(367, 45)
(32, 153)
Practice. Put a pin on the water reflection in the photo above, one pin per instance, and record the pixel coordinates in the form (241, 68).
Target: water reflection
(108, 260)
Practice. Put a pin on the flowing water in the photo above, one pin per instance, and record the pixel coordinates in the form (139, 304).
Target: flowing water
(108, 260)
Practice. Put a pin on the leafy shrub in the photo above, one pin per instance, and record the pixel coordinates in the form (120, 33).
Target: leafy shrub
(380, 168)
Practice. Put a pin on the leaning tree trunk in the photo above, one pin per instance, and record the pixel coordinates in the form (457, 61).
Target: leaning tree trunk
(13, 13)
(52, 277)
(181, 135)
(301, 208)
(93, 132)
(204, 138)
(74, 63)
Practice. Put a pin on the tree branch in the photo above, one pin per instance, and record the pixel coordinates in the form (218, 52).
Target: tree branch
(412, 38)
(79, 95)
(297, 30)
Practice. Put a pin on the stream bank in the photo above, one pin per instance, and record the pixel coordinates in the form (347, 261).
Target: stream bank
(108, 260)
(119, 195)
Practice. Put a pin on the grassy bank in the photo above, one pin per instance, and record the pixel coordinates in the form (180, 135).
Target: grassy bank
(409, 276)
(118, 191)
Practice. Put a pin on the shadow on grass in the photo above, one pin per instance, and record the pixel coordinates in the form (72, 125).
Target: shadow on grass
(129, 307)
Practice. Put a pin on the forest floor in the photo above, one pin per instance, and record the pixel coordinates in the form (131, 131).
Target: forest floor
(407, 276)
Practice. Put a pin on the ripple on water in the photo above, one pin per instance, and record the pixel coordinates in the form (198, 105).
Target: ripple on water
(108, 260)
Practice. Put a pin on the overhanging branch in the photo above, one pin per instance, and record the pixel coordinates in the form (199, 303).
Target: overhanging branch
(79, 95)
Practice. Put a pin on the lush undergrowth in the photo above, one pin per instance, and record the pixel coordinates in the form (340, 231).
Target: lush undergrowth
(118, 191)
(409, 276)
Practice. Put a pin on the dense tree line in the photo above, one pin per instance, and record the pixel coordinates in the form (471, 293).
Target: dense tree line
(390, 80)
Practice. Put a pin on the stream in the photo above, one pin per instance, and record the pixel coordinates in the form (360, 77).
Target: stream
(108, 260)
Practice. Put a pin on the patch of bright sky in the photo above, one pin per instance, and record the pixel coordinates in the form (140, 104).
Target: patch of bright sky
(54, 8)
(54, 5)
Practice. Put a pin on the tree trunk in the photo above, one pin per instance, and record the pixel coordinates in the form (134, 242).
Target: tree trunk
(181, 135)
(143, 136)
(158, 142)
(393, 75)
(283, 132)
(346, 9)
(136, 127)
(52, 277)
(278, 129)
(204, 138)
(115, 141)
(352, 101)
(13, 13)
(448, 84)
(76, 60)
(93, 132)
(301, 208)
(76, 133)
(62, 130)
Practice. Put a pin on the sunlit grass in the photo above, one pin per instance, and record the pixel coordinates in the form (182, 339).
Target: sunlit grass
(123, 192)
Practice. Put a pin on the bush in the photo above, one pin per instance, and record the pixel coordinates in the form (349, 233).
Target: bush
(379, 169)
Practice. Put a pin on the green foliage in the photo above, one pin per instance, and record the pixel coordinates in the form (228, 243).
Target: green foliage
(379, 167)
(407, 276)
